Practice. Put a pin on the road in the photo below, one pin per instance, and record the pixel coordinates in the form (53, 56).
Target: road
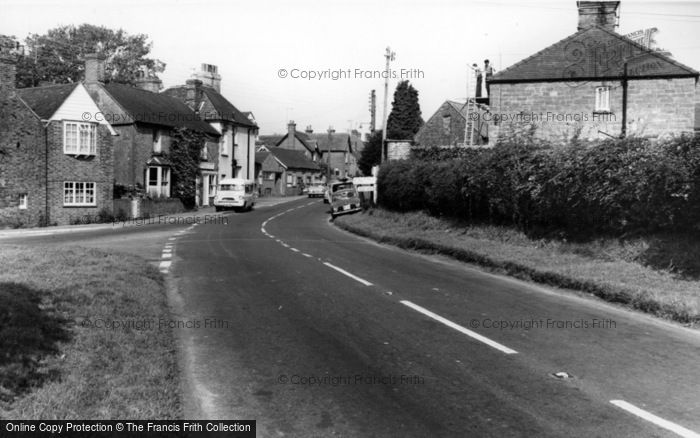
(315, 332)
(321, 333)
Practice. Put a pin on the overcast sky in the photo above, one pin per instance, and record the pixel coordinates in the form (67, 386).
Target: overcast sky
(252, 41)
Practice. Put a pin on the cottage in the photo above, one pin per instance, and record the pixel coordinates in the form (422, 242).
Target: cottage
(56, 163)
(595, 84)
(144, 120)
(284, 172)
(294, 140)
(238, 130)
(451, 125)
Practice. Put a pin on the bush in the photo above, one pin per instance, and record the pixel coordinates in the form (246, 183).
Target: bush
(609, 187)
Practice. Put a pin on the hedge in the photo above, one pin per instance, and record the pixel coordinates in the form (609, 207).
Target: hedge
(613, 186)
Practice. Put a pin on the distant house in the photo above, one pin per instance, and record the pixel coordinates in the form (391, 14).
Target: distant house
(340, 151)
(145, 120)
(239, 131)
(284, 172)
(595, 84)
(56, 163)
(294, 140)
(449, 127)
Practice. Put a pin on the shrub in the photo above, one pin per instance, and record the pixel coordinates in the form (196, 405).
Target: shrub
(610, 187)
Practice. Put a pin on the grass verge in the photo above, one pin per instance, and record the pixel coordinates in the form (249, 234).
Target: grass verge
(61, 356)
(625, 272)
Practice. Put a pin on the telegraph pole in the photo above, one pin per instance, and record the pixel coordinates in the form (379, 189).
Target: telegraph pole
(372, 111)
(328, 160)
(390, 56)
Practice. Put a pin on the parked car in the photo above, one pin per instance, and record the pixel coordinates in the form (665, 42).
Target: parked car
(343, 198)
(239, 194)
(316, 190)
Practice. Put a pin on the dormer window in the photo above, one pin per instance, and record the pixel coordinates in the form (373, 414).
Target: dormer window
(602, 99)
(79, 138)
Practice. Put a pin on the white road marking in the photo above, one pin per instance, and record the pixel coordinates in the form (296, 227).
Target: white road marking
(172, 238)
(165, 264)
(294, 249)
(673, 427)
(166, 255)
(344, 272)
(459, 328)
(285, 245)
(306, 255)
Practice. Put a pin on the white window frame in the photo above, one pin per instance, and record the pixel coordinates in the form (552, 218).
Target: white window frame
(157, 141)
(224, 143)
(291, 180)
(80, 148)
(161, 188)
(602, 99)
(23, 201)
(79, 193)
(204, 153)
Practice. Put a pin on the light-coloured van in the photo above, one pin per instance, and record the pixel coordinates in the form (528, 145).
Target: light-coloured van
(236, 193)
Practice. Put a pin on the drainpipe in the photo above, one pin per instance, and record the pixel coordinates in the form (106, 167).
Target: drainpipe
(247, 164)
(623, 131)
(46, 176)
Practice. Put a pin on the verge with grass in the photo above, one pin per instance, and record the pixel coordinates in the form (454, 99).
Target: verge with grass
(75, 337)
(614, 270)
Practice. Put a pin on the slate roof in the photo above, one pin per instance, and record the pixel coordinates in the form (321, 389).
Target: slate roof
(225, 110)
(293, 159)
(270, 140)
(260, 157)
(593, 53)
(45, 101)
(157, 108)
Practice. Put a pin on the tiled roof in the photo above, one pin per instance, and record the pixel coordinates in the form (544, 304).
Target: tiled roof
(157, 108)
(593, 53)
(45, 101)
(339, 142)
(270, 140)
(293, 159)
(225, 110)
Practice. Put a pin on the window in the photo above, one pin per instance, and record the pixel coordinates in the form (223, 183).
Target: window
(204, 154)
(157, 144)
(446, 122)
(79, 193)
(224, 143)
(212, 185)
(290, 180)
(23, 201)
(602, 99)
(270, 176)
(336, 171)
(79, 138)
(158, 181)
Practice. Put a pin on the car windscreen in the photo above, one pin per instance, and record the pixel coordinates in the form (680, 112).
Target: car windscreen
(343, 186)
(231, 187)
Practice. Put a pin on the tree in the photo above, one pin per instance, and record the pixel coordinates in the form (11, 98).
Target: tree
(58, 56)
(405, 118)
(371, 154)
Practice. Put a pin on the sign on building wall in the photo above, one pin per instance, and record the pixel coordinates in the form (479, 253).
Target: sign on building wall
(644, 37)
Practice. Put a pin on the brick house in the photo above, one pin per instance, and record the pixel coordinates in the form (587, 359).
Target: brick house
(56, 165)
(238, 130)
(447, 126)
(595, 84)
(294, 140)
(284, 172)
(144, 121)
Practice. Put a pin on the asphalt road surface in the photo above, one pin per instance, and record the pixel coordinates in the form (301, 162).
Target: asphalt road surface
(315, 332)
(312, 331)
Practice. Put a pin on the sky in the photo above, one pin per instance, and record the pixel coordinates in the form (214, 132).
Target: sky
(268, 51)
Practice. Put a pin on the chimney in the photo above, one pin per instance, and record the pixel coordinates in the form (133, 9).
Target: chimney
(193, 94)
(7, 72)
(597, 13)
(291, 134)
(147, 80)
(309, 130)
(209, 75)
(94, 68)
